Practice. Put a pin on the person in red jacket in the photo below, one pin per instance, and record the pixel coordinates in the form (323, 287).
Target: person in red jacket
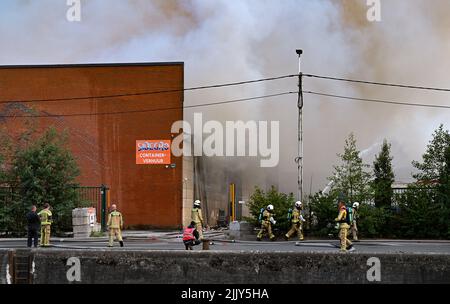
(190, 236)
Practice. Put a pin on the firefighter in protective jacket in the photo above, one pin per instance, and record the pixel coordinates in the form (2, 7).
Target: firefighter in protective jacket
(266, 223)
(297, 222)
(115, 224)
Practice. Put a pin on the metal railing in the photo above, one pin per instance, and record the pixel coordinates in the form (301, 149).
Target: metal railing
(96, 197)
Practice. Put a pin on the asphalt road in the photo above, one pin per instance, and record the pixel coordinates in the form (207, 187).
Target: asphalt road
(365, 246)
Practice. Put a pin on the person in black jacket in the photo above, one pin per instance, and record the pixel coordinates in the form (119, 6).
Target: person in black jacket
(33, 227)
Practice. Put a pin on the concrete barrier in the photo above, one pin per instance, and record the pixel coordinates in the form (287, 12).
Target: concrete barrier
(226, 267)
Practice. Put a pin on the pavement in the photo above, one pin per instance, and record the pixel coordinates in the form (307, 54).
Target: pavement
(171, 240)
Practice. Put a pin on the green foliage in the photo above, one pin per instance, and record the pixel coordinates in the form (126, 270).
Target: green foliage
(434, 157)
(12, 210)
(45, 172)
(383, 177)
(324, 210)
(373, 221)
(281, 202)
(350, 178)
(419, 215)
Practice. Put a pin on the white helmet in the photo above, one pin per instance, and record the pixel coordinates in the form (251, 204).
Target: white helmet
(270, 207)
(355, 205)
(197, 203)
(298, 204)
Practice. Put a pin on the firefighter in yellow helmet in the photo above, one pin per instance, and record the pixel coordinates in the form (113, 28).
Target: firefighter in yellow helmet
(266, 223)
(115, 224)
(196, 216)
(46, 222)
(344, 225)
(297, 222)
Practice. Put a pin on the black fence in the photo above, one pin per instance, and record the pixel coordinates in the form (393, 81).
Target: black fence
(96, 197)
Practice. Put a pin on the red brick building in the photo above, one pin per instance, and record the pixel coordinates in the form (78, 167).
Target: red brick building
(103, 131)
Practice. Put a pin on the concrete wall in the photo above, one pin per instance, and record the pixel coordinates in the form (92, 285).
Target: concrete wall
(118, 267)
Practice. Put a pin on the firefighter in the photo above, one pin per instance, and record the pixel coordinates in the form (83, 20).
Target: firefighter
(197, 218)
(45, 216)
(344, 225)
(266, 223)
(190, 236)
(354, 228)
(115, 224)
(297, 221)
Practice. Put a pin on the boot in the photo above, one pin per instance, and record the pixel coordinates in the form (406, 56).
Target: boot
(121, 243)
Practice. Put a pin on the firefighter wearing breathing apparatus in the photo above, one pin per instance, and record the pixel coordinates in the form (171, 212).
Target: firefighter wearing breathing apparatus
(297, 220)
(344, 225)
(266, 223)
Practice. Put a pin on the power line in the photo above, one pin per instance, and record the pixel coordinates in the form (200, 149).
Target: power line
(149, 110)
(379, 83)
(152, 92)
(378, 100)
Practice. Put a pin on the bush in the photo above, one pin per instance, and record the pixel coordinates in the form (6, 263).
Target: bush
(324, 211)
(419, 215)
(280, 201)
(45, 172)
(373, 221)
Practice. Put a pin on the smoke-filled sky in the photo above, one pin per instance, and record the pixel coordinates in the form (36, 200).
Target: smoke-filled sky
(224, 41)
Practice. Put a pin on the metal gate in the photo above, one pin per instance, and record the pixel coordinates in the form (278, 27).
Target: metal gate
(97, 197)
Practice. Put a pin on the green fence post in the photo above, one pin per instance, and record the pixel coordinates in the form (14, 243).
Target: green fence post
(103, 215)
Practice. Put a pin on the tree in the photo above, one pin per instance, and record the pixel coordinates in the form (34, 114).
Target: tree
(434, 158)
(281, 202)
(350, 178)
(45, 172)
(383, 177)
(443, 194)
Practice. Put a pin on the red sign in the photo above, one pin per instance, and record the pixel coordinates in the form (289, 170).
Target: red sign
(152, 152)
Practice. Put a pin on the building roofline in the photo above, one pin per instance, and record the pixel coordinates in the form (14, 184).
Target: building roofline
(81, 65)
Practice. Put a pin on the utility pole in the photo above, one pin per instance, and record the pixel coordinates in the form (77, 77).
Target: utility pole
(299, 158)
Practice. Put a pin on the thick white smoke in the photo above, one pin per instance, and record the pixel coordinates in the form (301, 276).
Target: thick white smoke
(222, 41)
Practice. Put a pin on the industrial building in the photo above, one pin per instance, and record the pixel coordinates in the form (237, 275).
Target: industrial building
(111, 111)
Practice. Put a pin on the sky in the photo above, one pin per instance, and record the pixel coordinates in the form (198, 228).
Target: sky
(225, 41)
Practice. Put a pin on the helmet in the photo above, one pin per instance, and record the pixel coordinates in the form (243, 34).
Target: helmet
(270, 207)
(298, 204)
(355, 205)
(197, 203)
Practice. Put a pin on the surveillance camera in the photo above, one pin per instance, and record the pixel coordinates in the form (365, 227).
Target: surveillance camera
(299, 52)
